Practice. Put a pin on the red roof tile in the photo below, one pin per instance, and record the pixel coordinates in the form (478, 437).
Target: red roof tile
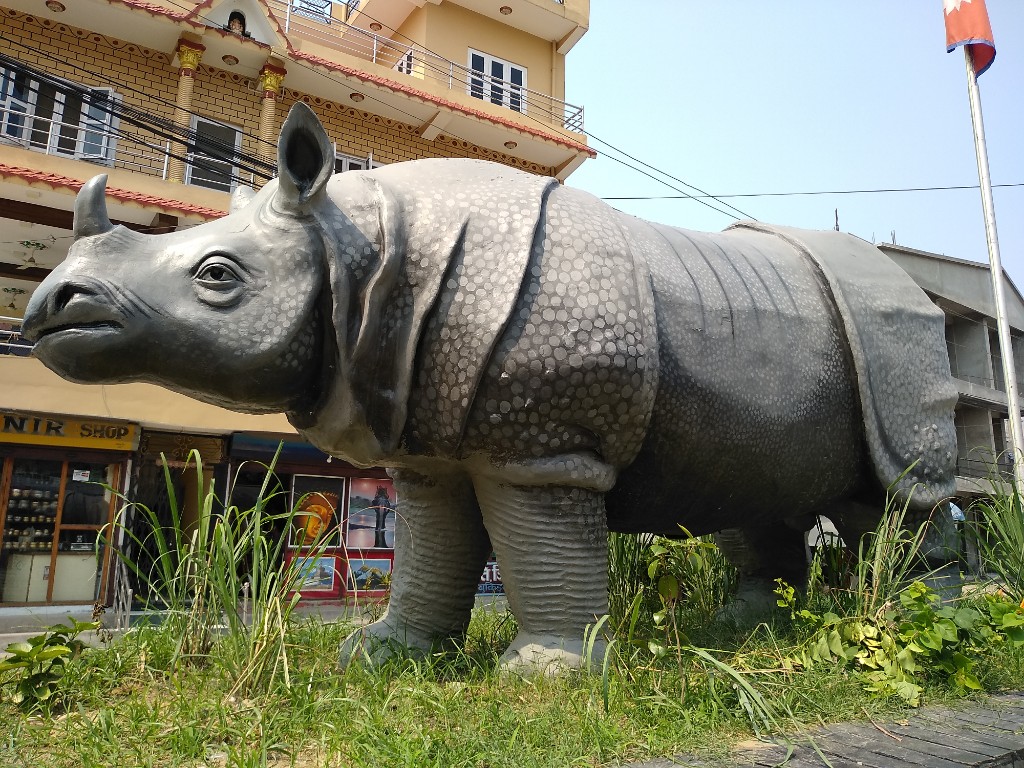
(56, 181)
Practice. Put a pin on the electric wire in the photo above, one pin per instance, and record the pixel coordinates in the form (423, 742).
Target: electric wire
(702, 196)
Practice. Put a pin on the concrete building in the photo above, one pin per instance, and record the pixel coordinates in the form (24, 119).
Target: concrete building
(963, 291)
(180, 102)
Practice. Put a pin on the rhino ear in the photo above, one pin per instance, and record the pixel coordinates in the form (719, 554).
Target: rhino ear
(240, 198)
(305, 159)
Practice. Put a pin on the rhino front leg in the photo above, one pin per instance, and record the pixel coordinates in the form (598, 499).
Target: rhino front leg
(440, 551)
(552, 548)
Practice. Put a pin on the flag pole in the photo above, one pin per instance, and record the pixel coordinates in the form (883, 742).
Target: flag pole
(996, 272)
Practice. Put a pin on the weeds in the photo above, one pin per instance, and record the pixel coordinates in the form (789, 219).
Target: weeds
(999, 533)
(37, 666)
(267, 692)
(199, 576)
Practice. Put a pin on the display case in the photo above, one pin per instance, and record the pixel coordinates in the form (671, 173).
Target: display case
(53, 512)
(32, 506)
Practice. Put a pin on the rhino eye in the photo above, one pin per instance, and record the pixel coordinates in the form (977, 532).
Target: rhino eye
(218, 281)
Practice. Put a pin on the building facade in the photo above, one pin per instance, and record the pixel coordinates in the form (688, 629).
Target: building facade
(963, 291)
(180, 103)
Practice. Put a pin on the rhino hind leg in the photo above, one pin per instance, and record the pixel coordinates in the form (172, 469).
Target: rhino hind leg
(551, 544)
(440, 551)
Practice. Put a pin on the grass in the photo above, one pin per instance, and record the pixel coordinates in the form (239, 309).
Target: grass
(131, 706)
(269, 693)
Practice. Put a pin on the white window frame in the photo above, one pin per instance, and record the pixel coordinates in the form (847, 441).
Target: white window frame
(211, 161)
(494, 80)
(343, 162)
(317, 10)
(92, 137)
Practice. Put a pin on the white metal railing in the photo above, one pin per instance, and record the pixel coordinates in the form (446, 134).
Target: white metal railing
(11, 340)
(305, 18)
(134, 149)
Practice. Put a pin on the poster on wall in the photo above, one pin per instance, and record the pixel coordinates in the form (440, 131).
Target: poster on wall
(316, 574)
(372, 509)
(369, 574)
(490, 579)
(318, 513)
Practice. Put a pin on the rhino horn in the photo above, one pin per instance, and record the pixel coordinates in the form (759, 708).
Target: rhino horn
(91, 208)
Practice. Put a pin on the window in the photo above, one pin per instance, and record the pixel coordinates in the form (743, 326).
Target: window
(344, 163)
(57, 117)
(497, 81)
(318, 10)
(211, 158)
(404, 63)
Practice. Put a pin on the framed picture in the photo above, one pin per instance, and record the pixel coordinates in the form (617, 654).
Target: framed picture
(372, 510)
(368, 574)
(318, 573)
(318, 514)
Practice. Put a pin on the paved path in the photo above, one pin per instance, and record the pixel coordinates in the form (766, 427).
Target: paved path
(989, 734)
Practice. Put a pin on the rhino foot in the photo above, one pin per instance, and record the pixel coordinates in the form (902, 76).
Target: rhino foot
(550, 655)
(380, 641)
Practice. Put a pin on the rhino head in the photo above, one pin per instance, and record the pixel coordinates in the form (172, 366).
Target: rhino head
(228, 312)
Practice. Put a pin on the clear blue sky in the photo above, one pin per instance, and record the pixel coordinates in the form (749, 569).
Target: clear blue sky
(748, 96)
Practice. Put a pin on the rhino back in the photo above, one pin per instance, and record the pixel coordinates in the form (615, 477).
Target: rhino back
(756, 415)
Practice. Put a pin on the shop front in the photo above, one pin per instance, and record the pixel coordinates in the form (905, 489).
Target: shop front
(57, 484)
(342, 534)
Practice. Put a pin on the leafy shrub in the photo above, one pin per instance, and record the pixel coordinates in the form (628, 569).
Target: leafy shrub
(893, 649)
(38, 665)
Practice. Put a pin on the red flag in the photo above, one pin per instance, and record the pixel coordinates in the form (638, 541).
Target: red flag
(967, 24)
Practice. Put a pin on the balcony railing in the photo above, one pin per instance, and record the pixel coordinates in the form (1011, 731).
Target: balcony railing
(11, 340)
(134, 149)
(412, 62)
(978, 468)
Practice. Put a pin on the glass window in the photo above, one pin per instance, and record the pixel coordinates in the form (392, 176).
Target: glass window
(86, 501)
(344, 163)
(57, 117)
(498, 81)
(212, 156)
(318, 10)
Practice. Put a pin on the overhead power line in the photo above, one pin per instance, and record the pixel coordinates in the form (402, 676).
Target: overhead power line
(701, 196)
(817, 192)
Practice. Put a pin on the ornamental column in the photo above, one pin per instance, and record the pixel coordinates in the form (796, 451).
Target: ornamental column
(189, 53)
(271, 79)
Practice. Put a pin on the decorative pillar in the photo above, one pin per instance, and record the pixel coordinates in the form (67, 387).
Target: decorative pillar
(271, 79)
(189, 54)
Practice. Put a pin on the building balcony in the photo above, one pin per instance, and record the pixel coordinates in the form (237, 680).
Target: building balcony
(312, 20)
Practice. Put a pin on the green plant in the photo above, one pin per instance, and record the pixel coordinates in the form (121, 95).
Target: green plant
(893, 649)
(628, 559)
(692, 577)
(999, 533)
(199, 576)
(39, 664)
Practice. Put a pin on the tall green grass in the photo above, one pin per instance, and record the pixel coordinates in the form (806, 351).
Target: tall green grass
(999, 533)
(223, 580)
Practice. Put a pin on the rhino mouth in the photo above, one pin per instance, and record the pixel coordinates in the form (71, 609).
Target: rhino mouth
(86, 327)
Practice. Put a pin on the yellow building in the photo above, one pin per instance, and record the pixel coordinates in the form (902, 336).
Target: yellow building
(179, 102)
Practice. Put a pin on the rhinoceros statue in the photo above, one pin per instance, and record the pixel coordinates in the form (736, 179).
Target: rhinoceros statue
(532, 366)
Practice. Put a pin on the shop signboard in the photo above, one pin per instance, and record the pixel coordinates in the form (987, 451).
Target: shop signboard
(64, 431)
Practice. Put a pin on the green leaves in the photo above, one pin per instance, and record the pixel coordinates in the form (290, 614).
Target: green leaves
(38, 665)
(894, 648)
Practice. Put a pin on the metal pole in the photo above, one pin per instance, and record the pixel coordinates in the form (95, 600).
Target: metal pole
(996, 271)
